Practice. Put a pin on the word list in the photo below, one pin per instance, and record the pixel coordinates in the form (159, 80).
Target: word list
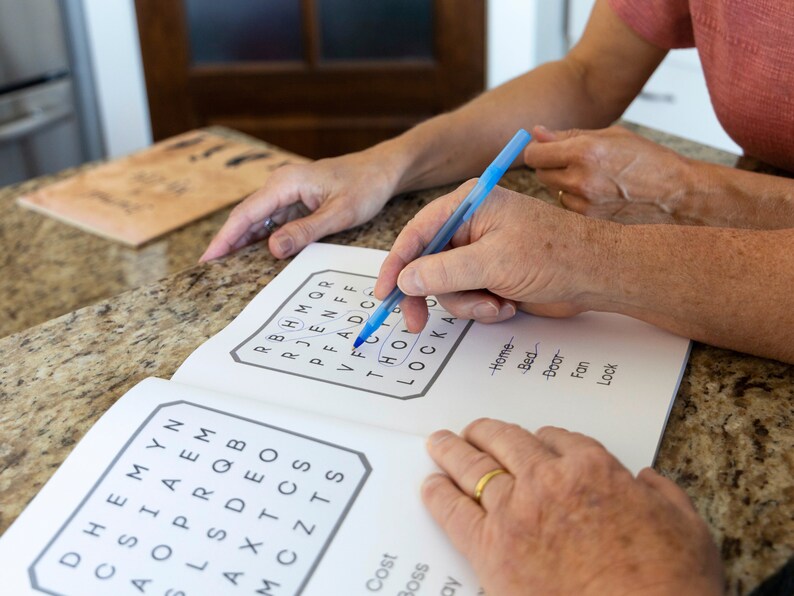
(550, 364)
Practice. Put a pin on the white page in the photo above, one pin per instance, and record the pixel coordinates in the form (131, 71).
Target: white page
(181, 489)
(602, 374)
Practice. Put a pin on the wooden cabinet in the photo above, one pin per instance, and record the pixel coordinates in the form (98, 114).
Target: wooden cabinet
(318, 77)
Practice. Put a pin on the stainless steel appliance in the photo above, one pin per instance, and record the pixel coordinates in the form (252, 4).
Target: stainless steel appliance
(47, 102)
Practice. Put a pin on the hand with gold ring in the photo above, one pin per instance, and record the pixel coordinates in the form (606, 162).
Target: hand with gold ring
(615, 174)
(554, 512)
(485, 479)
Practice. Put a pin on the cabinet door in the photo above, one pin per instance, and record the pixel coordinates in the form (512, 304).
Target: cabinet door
(319, 77)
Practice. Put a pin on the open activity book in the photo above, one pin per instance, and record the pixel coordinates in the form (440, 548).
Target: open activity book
(278, 461)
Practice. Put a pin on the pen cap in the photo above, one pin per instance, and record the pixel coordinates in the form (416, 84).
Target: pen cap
(507, 155)
(495, 171)
(505, 158)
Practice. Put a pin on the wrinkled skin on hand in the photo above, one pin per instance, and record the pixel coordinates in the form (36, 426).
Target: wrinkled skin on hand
(516, 252)
(308, 201)
(611, 174)
(567, 518)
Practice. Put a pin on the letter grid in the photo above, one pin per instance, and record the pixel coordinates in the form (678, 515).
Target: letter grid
(311, 335)
(200, 501)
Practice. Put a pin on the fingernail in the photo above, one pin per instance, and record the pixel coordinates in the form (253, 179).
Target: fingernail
(208, 255)
(542, 128)
(285, 244)
(438, 437)
(432, 479)
(507, 310)
(484, 310)
(410, 282)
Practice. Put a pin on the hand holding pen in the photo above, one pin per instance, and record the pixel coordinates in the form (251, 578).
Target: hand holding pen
(462, 214)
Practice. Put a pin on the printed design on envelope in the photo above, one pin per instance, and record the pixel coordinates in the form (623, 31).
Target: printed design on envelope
(200, 501)
(311, 335)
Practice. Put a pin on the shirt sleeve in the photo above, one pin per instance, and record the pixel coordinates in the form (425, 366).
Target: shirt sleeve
(664, 23)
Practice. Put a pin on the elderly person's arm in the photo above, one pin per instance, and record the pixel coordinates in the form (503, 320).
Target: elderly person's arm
(725, 287)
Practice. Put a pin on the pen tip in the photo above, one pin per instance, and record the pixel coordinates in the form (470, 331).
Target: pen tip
(358, 342)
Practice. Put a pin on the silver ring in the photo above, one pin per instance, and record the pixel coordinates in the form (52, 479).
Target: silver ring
(269, 225)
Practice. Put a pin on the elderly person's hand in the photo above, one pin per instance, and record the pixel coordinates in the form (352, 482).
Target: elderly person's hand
(566, 517)
(614, 174)
(515, 252)
(308, 201)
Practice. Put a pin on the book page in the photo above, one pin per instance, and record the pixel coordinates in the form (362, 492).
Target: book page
(181, 491)
(605, 375)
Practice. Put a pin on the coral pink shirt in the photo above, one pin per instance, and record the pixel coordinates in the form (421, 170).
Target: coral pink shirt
(747, 51)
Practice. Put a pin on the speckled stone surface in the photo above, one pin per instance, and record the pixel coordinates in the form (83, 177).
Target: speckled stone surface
(729, 442)
(50, 268)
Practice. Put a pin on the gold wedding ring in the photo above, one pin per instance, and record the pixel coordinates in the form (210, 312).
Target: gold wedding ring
(485, 479)
(559, 196)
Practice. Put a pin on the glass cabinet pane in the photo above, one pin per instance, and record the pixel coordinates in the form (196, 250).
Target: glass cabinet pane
(378, 30)
(244, 30)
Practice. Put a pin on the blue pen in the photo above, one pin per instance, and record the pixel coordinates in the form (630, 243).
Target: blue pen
(464, 211)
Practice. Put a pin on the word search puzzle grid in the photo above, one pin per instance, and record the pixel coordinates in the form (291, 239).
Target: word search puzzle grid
(200, 501)
(311, 335)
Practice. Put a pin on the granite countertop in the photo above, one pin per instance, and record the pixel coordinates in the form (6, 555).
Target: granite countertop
(729, 441)
(51, 268)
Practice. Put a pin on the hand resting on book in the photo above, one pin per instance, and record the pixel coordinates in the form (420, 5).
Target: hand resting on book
(566, 518)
